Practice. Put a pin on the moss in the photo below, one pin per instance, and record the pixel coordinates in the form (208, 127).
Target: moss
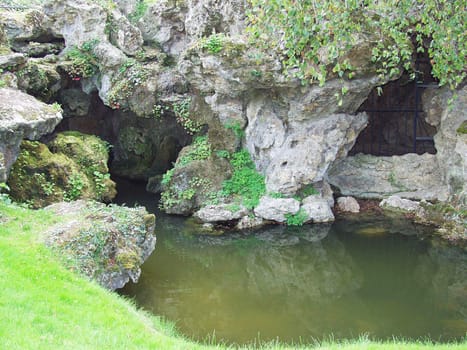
(462, 129)
(38, 80)
(89, 151)
(74, 167)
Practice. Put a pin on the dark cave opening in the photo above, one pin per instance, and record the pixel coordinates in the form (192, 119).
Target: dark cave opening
(396, 124)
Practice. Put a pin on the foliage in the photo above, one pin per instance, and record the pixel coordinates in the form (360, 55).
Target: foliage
(200, 149)
(214, 43)
(245, 182)
(182, 113)
(315, 36)
(84, 63)
(297, 219)
(75, 187)
(237, 129)
(140, 9)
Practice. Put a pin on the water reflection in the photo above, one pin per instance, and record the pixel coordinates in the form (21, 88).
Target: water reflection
(364, 276)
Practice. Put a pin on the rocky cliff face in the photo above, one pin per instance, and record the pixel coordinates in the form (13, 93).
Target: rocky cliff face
(189, 63)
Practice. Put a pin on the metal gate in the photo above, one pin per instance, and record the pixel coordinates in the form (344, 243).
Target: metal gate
(396, 122)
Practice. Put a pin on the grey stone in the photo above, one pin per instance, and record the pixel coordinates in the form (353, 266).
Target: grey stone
(119, 259)
(396, 203)
(12, 60)
(410, 176)
(348, 204)
(451, 145)
(26, 118)
(220, 212)
(276, 208)
(124, 35)
(317, 209)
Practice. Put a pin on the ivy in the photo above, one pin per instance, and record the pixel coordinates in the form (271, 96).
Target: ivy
(314, 37)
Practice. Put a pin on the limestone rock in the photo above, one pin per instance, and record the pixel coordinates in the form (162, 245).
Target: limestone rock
(275, 209)
(396, 203)
(24, 26)
(292, 155)
(451, 144)
(220, 212)
(409, 176)
(348, 204)
(76, 21)
(12, 60)
(124, 35)
(125, 240)
(26, 118)
(317, 209)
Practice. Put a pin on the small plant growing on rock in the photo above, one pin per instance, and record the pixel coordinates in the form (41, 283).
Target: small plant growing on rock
(245, 182)
(84, 62)
(214, 43)
(297, 219)
(182, 113)
(75, 188)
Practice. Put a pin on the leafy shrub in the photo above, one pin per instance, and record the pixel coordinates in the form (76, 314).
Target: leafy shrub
(297, 219)
(214, 43)
(245, 182)
(315, 36)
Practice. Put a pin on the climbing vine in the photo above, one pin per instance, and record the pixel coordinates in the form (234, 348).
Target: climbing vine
(315, 36)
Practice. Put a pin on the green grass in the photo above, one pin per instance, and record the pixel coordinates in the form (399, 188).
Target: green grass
(45, 306)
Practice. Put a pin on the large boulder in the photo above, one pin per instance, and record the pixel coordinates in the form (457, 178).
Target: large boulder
(276, 209)
(105, 243)
(22, 117)
(410, 176)
(73, 166)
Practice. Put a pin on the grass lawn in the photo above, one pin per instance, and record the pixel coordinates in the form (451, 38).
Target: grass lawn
(45, 306)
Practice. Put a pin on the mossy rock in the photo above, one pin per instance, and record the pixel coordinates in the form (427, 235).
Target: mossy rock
(462, 129)
(74, 167)
(89, 151)
(39, 79)
(39, 177)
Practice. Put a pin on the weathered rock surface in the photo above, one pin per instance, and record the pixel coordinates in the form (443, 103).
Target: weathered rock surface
(348, 205)
(317, 209)
(12, 60)
(451, 143)
(220, 212)
(106, 243)
(276, 209)
(409, 176)
(396, 203)
(22, 117)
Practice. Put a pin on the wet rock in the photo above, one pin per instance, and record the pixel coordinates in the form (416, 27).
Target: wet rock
(317, 209)
(221, 212)
(276, 208)
(348, 204)
(26, 118)
(410, 176)
(106, 243)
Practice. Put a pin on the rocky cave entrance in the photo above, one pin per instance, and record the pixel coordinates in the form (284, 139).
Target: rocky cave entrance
(142, 148)
(396, 114)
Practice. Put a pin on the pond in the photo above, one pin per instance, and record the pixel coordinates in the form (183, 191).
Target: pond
(373, 275)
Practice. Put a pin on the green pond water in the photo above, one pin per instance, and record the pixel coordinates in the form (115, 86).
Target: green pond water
(374, 276)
